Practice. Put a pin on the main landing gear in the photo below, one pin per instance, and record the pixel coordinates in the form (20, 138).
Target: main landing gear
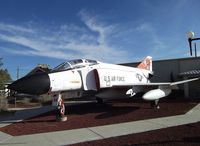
(60, 110)
(99, 100)
(154, 104)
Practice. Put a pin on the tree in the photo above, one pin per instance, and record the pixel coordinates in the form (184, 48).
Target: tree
(1, 63)
(4, 75)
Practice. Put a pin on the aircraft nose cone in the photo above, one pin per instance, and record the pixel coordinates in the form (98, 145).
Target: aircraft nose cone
(35, 84)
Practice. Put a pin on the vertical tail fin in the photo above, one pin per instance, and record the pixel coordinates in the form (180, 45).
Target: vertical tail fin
(146, 64)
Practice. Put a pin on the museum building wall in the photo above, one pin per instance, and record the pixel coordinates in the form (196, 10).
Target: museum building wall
(169, 70)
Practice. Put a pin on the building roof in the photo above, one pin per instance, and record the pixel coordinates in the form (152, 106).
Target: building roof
(40, 68)
(190, 74)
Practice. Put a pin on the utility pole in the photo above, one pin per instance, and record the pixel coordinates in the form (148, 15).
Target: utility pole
(195, 49)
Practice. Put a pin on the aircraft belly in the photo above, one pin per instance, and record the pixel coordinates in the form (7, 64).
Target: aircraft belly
(112, 93)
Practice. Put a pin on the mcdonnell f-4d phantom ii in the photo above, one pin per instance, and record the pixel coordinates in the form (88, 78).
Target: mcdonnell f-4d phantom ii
(83, 77)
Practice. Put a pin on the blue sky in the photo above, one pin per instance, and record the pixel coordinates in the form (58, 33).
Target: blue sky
(115, 31)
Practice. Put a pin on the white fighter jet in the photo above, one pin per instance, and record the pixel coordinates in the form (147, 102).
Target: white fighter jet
(84, 77)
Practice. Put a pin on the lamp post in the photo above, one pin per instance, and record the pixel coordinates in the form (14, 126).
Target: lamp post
(191, 38)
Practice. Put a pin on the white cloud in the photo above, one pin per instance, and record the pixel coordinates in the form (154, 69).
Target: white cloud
(144, 27)
(69, 41)
(14, 28)
(91, 24)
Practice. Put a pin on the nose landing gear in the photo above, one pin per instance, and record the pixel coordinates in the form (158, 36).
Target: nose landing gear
(60, 110)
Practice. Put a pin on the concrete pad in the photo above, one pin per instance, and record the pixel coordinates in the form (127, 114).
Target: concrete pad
(30, 140)
(125, 128)
(169, 121)
(54, 138)
(174, 120)
(196, 109)
(24, 114)
(8, 122)
(31, 112)
(72, 136)
(4, 137)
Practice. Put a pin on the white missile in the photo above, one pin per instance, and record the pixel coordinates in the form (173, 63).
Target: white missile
(156, 94)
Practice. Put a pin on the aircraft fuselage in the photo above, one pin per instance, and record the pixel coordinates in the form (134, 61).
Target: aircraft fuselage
(76, 77)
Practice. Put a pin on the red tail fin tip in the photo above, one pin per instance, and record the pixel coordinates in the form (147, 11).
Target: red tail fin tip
(146, 63)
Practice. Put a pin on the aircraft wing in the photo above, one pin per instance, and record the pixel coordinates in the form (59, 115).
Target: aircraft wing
(153, 91)
(183, 81)
(158, 83)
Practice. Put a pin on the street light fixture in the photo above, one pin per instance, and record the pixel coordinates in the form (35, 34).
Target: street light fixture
(191, 38)
(190, 35)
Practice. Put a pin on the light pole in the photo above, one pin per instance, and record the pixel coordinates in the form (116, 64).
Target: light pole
(191, 38)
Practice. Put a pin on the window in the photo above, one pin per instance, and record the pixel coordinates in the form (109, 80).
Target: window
(79, 63)
(91, 62)
(75, 62)
(62, 66)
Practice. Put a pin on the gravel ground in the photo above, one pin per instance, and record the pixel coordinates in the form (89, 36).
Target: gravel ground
(92, 114)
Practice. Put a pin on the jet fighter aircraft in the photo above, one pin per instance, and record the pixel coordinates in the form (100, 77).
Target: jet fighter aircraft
(81, 77)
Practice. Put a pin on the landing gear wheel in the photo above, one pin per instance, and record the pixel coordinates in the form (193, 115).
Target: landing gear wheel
(154, 104)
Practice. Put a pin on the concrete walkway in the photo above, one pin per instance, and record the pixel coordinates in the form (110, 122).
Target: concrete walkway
(24, 113)
(100, 132)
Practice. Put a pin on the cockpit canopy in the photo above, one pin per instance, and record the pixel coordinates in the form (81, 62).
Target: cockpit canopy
(72, 64)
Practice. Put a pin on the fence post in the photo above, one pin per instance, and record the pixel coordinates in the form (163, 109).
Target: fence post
(0, 104)
(15, 102)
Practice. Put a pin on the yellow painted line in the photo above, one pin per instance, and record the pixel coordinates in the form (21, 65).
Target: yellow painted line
(75, 81)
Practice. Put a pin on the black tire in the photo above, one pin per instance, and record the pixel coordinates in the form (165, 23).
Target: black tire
(99, 100)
